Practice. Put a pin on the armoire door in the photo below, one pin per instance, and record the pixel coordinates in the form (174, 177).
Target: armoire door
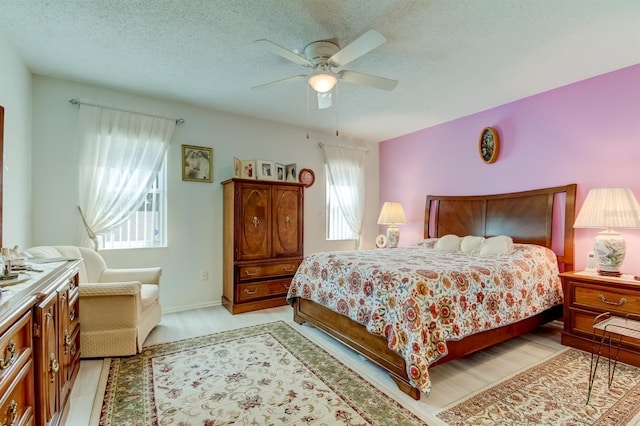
(253, 235)
(287, 221)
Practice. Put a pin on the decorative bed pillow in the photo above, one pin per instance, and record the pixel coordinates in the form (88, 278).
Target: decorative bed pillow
(471, 244)
(496, 246)
(449, 243)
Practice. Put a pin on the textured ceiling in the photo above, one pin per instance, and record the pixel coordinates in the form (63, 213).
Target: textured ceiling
(452, 58)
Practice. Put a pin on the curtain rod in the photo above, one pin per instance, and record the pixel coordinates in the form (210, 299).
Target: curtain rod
(77, 102)
(355, 148)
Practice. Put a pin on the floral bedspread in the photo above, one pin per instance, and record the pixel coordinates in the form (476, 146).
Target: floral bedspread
(419, 298)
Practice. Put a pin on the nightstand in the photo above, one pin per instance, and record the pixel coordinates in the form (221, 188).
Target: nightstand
(587, 295)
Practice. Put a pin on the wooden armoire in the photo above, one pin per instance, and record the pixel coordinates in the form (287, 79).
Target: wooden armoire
(263, 242)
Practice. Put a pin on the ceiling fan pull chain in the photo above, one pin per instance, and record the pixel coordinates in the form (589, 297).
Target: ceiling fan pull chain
(307, 112)
(335, 109)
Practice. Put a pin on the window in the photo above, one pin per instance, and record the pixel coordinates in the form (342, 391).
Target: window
(122, 177)
(147, 226)
(337, 226)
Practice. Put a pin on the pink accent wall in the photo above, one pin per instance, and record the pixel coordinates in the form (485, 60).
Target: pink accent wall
(586, 133)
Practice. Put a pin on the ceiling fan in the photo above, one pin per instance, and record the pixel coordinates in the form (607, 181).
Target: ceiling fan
(323, 57)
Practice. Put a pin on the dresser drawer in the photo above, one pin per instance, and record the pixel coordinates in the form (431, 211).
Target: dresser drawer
(17, 401)
(15, 346)
(267, 270)
(257, 290)
(605, 299)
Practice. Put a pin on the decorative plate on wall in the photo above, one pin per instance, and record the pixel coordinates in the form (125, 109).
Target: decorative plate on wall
(489, 145)
(307, 177)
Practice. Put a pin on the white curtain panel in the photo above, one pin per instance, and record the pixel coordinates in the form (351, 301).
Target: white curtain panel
(346, 174)
(120, 152)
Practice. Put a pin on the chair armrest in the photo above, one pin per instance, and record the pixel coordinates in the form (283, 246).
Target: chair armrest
(144, 275)
(131, 288)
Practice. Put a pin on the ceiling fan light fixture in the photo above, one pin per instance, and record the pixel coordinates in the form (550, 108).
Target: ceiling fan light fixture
(322, 82)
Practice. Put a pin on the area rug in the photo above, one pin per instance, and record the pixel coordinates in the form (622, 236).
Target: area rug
(554, 393)
(268, 374)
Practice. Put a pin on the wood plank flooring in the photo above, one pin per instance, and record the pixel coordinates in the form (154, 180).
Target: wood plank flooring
(451, 381)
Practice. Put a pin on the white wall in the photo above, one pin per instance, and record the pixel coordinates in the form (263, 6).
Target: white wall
(195, 208)
(15, 97)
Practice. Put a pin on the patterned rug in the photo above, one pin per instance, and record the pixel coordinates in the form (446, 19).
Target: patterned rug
(262, 375)
(555, 393)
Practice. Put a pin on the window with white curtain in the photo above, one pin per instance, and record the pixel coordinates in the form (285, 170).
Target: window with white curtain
(337, 226)
(147, 226)
(122, 178)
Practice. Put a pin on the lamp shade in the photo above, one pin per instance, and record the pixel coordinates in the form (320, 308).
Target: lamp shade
(609, 208)
(322, 82)
(392, 213)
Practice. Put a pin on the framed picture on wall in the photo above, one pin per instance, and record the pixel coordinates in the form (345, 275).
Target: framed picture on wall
(197, 163)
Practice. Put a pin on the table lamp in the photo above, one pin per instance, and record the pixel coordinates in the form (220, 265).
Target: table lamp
(609, 208)
(392, 214)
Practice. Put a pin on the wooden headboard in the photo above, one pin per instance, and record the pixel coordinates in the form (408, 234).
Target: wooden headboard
(527, 217)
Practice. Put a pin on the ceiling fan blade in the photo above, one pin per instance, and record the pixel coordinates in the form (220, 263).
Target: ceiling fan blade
(285, 53)
(279, 82)
(324, 100)
(368, 80)
(358, 47)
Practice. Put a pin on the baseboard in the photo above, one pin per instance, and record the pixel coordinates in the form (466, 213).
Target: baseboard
(190, 307)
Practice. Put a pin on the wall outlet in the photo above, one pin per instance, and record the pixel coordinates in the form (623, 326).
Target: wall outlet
(204, 275)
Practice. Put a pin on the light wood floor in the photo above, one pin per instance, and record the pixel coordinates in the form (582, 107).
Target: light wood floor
(451, 381)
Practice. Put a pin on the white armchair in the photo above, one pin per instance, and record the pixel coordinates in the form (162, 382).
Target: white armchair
(118, 307)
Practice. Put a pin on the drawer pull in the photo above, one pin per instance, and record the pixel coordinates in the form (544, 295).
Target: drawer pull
(72, 315)
(250, 273)
(247, 291)
(621, 302)
(287, 221)
(255, 222)
(289, 268)
(67, 341)
(54, 367)
(11, 349)
(13, 411)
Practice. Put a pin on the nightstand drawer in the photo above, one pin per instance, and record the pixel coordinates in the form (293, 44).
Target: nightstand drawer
(605, 300)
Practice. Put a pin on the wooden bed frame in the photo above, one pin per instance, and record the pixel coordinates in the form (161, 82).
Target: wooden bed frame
(528, 217)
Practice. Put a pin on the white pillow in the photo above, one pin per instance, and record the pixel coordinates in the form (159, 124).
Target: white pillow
(449, 243)
(496, 246)
(471, 244)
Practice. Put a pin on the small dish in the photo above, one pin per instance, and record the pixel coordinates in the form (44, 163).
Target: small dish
(12, 276)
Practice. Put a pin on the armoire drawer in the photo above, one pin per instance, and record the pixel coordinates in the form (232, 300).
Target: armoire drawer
(261, 289)
(267, 270)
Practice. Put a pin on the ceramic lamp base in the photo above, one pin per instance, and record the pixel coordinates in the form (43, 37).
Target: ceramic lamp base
(610, 249)
(393, 236)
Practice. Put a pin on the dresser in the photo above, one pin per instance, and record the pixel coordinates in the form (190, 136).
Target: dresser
(262, 242)
(39, 345)
(587, 295)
